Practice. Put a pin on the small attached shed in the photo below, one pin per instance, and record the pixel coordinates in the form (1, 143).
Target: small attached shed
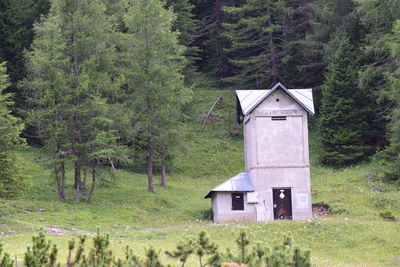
(233, 200)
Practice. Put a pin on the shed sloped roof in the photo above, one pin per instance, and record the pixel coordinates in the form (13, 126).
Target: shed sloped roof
(250, 99)
(238, 183)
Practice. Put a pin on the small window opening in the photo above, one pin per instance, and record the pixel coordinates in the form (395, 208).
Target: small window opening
(278, 118)
(237, 201)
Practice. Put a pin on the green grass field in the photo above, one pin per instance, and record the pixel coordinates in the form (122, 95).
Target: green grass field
(355, 235)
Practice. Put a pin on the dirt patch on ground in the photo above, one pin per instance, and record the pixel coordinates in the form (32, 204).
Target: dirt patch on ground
(321, 210)
(53, 230)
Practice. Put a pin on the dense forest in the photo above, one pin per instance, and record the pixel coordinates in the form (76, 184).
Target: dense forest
(108, 83)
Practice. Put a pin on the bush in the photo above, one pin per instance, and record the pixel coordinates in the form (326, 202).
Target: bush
(282, 253)
(387, 214)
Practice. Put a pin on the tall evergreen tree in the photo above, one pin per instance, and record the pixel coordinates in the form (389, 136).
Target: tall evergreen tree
(155, 91)
(389, 158)
(330, 19)
(378, 17)
(256, 43)
(16, 35)
(12, 182)
(71, 81)
(187, 26)
(213, 58)
(344, 111)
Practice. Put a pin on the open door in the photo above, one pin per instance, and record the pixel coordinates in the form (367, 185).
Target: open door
(282, 198)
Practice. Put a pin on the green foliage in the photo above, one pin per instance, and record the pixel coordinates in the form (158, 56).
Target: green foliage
(244, 256)
(213, 60)
(5, 260)
(387, 214)
(71, 86)
(202, 247)
(43, 254)
(187, 26)
(389, 159)
(156, 92)
(16, 23)
(283, 253)
(343, 122)
(256, 45)
(12, 182)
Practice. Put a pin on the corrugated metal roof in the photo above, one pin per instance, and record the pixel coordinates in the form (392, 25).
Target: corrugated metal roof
(238, 183)
(250, 99)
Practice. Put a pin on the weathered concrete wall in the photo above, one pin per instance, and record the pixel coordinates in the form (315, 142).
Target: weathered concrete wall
(265, 180)
(222, 208)
(277, 154)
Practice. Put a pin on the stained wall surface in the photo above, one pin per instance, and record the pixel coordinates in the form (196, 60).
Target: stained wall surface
(276, 153)
(222, 208)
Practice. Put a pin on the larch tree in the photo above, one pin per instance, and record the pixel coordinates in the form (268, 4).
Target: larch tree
(256, 43)
(71, 78)
(12, 182)
(155, 88)
(343, 121)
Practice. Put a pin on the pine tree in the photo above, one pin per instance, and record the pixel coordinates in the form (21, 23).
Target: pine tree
(256, 43)
(344, 111)
(155, 84)
(72, 81)
(12, 182)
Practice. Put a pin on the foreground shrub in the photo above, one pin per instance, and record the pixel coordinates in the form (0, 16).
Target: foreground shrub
(387, 214)
(201, 249)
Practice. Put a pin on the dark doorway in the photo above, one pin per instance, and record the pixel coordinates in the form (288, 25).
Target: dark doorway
(282, 203)
(237, 201)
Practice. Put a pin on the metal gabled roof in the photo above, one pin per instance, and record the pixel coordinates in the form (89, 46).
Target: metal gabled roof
(238, 183)
(250, 99)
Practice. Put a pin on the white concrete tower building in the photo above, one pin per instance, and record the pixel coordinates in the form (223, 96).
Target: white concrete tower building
(276, 181)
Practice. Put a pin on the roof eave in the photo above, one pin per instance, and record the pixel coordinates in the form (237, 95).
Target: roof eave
(276, 87)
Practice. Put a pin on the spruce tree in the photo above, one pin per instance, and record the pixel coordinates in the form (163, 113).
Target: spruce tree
(156, 92)
(16, 35)
(187, 26)
(210, 39)
(12, 182)
(256, 43)
(378, 17)
(343, 122)
(389, 158)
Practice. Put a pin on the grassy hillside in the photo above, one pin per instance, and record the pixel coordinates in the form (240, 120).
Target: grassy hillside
(355, 235)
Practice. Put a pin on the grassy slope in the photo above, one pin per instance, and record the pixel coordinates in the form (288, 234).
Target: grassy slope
(355, 235)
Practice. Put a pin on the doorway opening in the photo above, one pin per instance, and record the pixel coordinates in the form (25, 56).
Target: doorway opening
(282, 198)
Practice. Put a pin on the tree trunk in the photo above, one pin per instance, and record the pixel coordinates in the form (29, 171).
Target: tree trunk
(77, 180)
(83, 184)
(59, 169)
(93, 183)
(274, 73)
(62, 184)
(150, 168)
(77, 175)
(163, 174)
